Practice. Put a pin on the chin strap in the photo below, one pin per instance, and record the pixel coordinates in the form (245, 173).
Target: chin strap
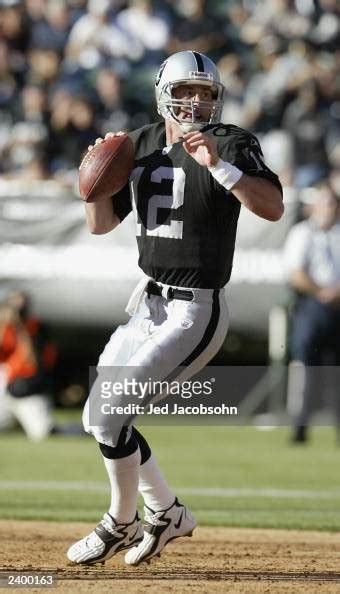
(191, 126)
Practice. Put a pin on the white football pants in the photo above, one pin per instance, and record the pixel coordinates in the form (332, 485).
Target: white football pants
(163, 334)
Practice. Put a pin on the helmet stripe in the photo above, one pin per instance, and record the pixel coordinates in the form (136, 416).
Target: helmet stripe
(199, 61)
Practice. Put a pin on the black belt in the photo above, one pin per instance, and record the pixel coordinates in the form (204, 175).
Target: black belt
(183, 294)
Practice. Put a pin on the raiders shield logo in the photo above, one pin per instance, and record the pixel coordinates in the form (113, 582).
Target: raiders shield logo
(160, 72)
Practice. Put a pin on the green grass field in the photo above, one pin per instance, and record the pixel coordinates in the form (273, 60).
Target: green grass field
(230, 476)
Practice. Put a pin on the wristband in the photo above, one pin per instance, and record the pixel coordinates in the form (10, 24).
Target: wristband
(225, 174)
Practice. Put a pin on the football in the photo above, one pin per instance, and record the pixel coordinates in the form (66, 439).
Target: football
(105, 169)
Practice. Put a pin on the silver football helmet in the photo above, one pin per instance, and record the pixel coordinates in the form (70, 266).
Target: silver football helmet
(188, 67)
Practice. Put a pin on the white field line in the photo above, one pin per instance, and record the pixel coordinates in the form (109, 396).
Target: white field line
(97, 487)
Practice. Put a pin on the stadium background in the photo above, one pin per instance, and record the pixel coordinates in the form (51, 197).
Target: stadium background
(71, 71)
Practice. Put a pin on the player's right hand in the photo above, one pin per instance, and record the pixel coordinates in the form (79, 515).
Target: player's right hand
(201, 147)
(108, 135)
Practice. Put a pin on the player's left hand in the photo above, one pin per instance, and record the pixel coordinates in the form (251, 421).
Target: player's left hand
(201, 147)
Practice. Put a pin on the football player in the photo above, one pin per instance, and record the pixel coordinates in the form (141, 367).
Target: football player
(191, 176)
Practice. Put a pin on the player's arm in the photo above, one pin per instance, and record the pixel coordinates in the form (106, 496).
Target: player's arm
(101, 217)
(258, 194)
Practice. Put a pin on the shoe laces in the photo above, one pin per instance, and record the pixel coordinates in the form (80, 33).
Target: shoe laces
(154, 518)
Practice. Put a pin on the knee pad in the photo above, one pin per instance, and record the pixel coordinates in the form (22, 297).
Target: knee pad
(144, 447)
(127, 444)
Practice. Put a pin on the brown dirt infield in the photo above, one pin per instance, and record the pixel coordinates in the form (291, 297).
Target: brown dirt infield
(214, 560)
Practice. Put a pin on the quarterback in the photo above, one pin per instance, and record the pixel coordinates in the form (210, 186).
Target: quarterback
(191, 176)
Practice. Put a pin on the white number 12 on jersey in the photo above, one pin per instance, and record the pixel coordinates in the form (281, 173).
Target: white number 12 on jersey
(174, 230)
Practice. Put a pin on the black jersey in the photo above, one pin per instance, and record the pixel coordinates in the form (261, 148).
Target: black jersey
(185, 220)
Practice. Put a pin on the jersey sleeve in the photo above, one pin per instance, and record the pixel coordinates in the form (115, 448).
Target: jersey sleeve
(122, 202)
(244, 151)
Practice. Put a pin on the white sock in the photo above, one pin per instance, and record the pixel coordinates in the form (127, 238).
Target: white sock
(124, 475)
(153, 487)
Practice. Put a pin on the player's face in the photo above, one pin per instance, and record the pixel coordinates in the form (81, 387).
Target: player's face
(199, 102)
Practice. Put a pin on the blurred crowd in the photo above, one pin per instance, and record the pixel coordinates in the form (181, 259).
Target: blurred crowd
(71, 70)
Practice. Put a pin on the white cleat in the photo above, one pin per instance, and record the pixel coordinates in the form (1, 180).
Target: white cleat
(159, 528)
(106, 540)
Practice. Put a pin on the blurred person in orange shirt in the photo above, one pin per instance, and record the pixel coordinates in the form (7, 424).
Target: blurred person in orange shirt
(27, 360)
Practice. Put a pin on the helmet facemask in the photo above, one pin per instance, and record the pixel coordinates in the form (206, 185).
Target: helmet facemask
(190, 110)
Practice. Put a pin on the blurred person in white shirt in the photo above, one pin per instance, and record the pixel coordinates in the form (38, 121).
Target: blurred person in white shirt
(312, 259)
